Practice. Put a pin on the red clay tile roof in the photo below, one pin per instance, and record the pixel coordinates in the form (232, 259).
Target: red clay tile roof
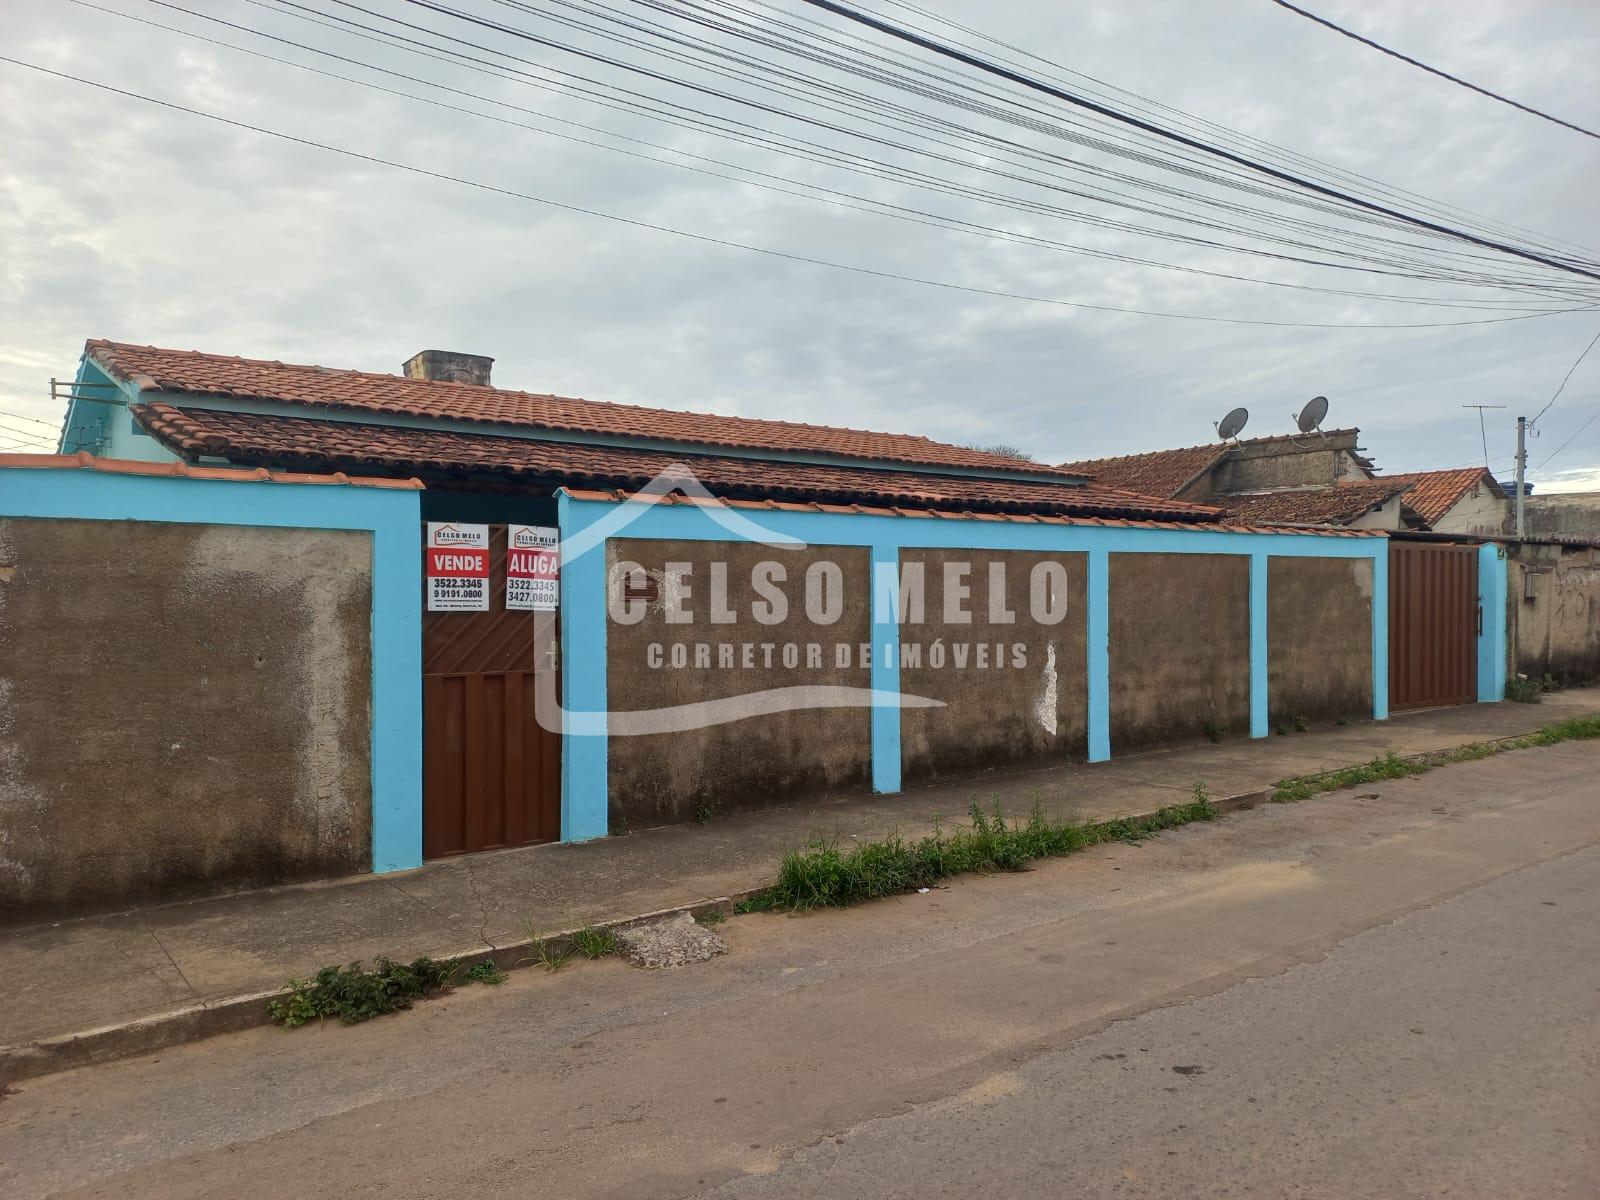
(256, 438)
(1167, 472)
(617, 496)
(193, 373)
(1336, 505)
(131, 466)
(1159, 473)
(1434, 493)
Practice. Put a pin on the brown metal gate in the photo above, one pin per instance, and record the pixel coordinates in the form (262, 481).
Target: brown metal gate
(491, 775)
(1433, 624)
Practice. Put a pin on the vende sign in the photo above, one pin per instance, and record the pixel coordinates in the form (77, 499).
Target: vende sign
(533, 568)
(458, 567)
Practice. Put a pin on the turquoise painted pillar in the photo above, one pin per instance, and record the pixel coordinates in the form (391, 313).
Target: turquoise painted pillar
(1492, 570)
(397, 692)
(1260, 724)
(1380, 633)
(585, 757)
(885, 617)
(1098, 586)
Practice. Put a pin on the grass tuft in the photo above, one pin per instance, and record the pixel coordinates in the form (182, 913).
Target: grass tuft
(821, 875)
(1392, 766)
(594, 943)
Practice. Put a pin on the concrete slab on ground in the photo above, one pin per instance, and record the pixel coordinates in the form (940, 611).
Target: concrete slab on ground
(75, 975)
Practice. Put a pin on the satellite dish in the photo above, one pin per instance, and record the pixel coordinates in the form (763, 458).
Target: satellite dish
(1231, 424)
(1313, 414)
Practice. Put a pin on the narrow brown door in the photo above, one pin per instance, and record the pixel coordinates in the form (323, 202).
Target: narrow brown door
(491, 775)
(1433, 624)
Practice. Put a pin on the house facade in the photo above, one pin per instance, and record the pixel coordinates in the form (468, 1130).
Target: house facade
(1320, 478)
(313, 617)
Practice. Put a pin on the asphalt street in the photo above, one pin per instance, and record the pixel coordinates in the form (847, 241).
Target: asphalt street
(1387, 992)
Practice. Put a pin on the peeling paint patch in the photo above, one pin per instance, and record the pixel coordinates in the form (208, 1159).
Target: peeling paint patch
(1045, 707)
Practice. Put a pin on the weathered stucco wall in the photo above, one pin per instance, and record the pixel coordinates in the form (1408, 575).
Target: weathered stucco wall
(187, 710)
(1013, 691)
(1180, 648)
(757, 761)
(1479, 511)
(1319, 638)
(1554, 604)
(1318, 460)
(1568, 512)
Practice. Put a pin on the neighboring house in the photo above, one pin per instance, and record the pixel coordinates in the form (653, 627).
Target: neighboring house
(1290, 479)
(1310, 479)
(1463, 500)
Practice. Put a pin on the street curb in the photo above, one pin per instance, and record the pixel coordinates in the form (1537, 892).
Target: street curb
(196, 1022)
(231, 1014)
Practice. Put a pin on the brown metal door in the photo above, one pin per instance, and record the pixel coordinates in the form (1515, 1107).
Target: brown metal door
(491, 775)
(1433, 624)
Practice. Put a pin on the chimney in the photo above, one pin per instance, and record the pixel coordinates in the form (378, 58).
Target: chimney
(447, 366)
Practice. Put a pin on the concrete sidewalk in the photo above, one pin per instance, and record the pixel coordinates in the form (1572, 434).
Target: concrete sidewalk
(183, 970)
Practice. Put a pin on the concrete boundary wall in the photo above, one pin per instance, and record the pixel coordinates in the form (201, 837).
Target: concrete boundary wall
(586, 523)
(391, 514)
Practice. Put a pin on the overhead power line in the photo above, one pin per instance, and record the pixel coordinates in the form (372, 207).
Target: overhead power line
(50, 425)
(1455, 79)
(1570, 440)
(1566, 377)
(708, 239)
(1134, 100)
(934, 46)
(781, 184)
(660, 109)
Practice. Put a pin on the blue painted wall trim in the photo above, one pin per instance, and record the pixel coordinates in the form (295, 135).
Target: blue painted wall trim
(1492, 636)
(885, 668)
(391, 515)
(1380, 635)
(1098, 656)
(1260, 706)
(585, 755)
(583, 607)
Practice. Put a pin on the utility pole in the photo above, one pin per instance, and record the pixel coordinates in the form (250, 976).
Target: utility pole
(1522, 466)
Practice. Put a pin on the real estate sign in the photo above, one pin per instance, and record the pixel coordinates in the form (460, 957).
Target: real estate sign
(458, 567)
(532, 567)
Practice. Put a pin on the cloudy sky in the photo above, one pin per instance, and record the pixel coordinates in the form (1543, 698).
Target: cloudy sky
(127, 221)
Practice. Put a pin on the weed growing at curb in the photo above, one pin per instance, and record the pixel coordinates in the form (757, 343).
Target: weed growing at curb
(552, 955)
(483, 972)
(1522, 690)
(355, 995)
(823, 876)
(594, 943)
(1392, 766)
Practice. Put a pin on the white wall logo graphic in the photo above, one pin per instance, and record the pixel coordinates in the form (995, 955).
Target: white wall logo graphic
(696, 714)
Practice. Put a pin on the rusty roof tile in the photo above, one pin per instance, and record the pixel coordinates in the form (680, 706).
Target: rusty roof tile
(1167, 472)
(618, 496)
(290, 441)
(193, 373)
(1336, 505)
(1434, 493)
(130, 466)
